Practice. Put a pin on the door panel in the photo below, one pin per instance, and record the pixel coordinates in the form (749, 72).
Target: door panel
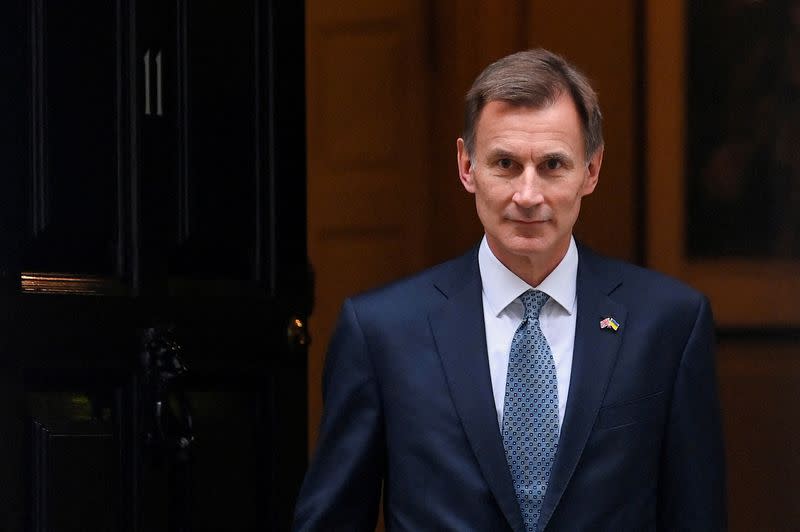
(72, 193)
(72, 452)
(221, 150)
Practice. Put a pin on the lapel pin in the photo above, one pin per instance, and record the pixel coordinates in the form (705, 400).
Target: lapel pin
(609, 323)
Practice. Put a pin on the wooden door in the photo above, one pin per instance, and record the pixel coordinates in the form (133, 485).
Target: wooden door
(153, 265)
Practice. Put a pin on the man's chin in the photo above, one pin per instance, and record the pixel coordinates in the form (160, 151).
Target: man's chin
(529, 247)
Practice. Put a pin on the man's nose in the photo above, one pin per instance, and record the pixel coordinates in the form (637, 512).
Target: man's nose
(528, 191)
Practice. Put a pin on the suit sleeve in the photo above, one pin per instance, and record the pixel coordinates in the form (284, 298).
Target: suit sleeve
(692, 484)
(342, 487)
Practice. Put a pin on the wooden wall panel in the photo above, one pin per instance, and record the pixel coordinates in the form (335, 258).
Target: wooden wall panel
(760, 394)
(358, 121)
(367, 121)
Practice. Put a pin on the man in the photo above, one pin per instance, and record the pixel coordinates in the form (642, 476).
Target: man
(530, 384)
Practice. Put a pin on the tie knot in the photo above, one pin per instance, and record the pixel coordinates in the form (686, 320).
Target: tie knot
(533, 300)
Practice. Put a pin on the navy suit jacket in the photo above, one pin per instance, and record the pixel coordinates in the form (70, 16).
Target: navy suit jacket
(409, 409)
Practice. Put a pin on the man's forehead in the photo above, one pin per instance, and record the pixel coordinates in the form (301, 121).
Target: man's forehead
(511, 104)
(501, 149)
(501, 123)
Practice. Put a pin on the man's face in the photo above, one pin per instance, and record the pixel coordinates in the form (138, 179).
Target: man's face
(529, 175)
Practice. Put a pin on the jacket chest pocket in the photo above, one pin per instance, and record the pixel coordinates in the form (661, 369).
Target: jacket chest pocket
(645, 409)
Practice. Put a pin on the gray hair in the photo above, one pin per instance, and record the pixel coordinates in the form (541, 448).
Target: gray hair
(534, 78)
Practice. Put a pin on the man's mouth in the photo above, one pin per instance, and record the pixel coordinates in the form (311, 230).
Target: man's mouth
(529, 222)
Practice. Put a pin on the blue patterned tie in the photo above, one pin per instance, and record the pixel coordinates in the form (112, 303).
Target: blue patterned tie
(530, 411)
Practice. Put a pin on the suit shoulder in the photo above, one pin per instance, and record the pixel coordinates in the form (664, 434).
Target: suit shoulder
(418, 291)
(643, 284)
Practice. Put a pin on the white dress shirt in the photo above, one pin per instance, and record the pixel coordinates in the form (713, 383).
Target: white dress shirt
(503, 312)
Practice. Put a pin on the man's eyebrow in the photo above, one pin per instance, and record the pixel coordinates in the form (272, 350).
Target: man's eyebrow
(556, 156)
(500, 153)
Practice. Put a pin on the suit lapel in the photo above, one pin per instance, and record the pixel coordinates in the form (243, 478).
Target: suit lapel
(594, 357)
(459, 330)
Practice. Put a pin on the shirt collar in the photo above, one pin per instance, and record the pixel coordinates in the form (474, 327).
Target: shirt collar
(501, 286)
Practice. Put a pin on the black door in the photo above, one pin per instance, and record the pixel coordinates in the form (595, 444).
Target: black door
(153, 264)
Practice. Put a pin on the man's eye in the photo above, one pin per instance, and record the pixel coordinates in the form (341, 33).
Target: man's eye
(553, 164)
(505, 164)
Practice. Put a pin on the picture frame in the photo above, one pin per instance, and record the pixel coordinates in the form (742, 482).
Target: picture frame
(746, 292)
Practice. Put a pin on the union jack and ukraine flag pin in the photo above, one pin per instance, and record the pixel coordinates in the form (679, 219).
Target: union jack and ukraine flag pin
(609, 323)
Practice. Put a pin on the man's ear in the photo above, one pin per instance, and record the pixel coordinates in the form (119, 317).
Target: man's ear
(592, 172)
(465, 167)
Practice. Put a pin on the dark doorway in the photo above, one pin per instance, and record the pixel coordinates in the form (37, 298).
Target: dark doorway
(153, 264)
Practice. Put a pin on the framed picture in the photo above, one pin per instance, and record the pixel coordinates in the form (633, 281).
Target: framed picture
(723, 154)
